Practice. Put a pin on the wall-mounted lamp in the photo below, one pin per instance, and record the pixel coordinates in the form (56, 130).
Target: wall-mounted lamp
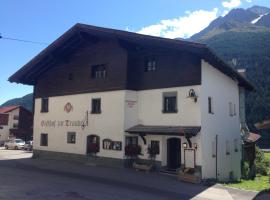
(192, 94)
(184, 145)
(195, 145)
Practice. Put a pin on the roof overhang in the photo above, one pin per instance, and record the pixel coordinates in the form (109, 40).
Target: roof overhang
(187, 131)
(79, 33)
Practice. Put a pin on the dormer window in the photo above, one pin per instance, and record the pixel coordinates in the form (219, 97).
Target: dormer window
(150, 65)
(70, 77)
(98, 71)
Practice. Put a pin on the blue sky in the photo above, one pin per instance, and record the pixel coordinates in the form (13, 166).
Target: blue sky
(46, 20)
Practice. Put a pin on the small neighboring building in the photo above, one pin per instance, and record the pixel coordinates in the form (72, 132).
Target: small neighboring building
(101, 90)
(15, 122)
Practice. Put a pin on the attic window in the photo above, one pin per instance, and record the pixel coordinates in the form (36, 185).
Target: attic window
(98, 71)
(70, 76)
(150, 65)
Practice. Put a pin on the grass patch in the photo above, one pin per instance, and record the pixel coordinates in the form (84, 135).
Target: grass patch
(259, 184)
(267, 155)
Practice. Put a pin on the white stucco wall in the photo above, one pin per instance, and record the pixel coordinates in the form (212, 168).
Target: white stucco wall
(145, 107)
(4, 133)
(108, 124)
(140, 107)
(223, 90)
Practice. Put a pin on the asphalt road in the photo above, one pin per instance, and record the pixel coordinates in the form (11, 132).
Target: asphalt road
(19, 181)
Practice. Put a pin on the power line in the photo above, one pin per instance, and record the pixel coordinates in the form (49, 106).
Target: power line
(20, 40)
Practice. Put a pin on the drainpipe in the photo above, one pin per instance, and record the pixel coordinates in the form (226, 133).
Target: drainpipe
(216, 157)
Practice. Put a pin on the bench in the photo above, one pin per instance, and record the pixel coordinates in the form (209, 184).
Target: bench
(142, 167)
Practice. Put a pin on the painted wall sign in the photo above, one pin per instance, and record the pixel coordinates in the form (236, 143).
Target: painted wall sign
(112, 145)
(68, 107)
(131, 103)
(62, 123)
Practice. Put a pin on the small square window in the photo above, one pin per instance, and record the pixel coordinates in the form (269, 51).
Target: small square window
(71, 137)
(170, 102)
(131, 140)
(70, 77)
(96, 106)
(16, 117)
(44, 105)
(150, 65)
(43, 139)
(15, 125)
(98, 71)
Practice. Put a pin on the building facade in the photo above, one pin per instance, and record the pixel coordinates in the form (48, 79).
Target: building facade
(15, 122)
(101, 90)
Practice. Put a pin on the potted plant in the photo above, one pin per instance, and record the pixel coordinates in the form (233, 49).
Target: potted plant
(132, 152)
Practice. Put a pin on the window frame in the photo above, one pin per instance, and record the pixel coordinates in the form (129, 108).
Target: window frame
(43, 142)
(150, 64)
(69, 138)
(93, 109)
(99, 71)
(166, 108)
(130, 139)
(210, 105)
(44, 105)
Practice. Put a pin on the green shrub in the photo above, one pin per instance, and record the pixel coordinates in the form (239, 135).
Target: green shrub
(261, 162)
(245, 170)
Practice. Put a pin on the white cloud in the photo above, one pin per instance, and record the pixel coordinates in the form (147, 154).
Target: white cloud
(183, 27)
(231, 3)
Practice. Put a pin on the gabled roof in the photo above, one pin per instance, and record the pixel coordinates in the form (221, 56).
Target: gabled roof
(75, 36)
(7, 109)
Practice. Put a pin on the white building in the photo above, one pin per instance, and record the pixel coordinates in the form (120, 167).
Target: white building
(104, 88)
(15, 121)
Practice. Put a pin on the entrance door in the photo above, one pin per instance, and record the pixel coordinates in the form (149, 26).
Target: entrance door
(92, 145)
(173, 153)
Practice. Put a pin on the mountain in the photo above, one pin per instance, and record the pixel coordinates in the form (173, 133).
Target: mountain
(25, 101)
(259, 10)
(255, 18)
(242, 38)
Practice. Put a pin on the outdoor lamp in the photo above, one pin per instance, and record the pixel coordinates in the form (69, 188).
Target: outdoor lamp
(184, 145)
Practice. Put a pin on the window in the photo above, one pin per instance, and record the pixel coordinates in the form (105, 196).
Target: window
(227, 147)
(98, 71)
(43, 139)
(210, 105)
(235, 145)
(71, 137)
(150, 65)
(131, 140)
(16, 117)
(70, 76)
(15, 125)
(170, 102)
(44, 105)
(230, 109)
(155, 145)
(96, 106)
(234, 109)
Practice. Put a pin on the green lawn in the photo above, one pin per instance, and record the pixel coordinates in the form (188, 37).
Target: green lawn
(267, 155)
(259, 184)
